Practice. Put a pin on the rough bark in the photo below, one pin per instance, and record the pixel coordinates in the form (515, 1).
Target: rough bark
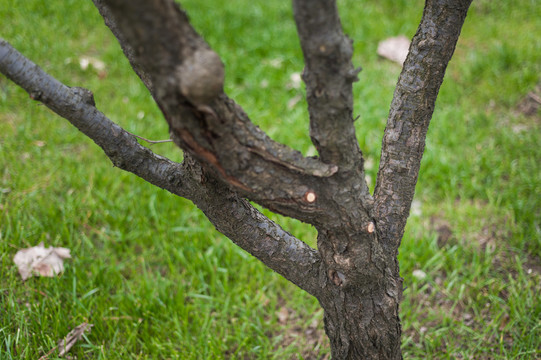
(411, 110)
(210, 126)
(328, 74)
(231, 214)
(354, 273)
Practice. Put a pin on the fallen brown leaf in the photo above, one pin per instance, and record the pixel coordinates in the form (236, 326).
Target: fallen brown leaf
(41, 261)
(394, 49)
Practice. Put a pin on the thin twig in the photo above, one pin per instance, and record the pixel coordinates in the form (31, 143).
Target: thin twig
(46, 356)
(149, 141)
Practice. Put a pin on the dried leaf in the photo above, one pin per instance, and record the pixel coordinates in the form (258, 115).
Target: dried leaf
(394, 49)
(73, 336)
(67, 343)
(41, 261)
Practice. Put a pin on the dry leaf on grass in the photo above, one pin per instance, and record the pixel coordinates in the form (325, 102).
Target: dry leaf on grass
(67, 343)
(41, 261)
(394, 49)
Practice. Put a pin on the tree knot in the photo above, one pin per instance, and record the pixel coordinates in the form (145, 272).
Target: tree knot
(201, 76)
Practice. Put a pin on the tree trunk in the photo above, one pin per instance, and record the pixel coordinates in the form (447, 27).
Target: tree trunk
(354, 273)
(362, 326)
(360, 295)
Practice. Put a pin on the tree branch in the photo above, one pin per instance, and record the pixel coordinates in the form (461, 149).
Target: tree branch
(187, 79)
(328, 75)
(232, 215)
(411, 110)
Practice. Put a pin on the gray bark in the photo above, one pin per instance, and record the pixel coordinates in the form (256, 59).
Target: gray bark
(231, 214)
(411, 110)
(354, 273)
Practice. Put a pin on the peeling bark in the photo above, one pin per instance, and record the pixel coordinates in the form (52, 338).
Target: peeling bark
(210, 126)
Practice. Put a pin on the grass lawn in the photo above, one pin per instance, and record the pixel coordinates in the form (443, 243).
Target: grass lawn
(158, 282)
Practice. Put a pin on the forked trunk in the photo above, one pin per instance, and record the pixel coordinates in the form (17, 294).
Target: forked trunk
(354, 273)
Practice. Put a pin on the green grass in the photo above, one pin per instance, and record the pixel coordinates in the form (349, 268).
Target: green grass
(154, 277)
